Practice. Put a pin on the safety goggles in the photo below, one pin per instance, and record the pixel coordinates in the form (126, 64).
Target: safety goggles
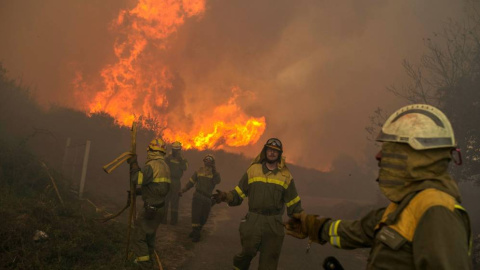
(274, 143)
(208, 159)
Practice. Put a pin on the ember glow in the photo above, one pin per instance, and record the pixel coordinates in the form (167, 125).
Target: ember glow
(136, 86)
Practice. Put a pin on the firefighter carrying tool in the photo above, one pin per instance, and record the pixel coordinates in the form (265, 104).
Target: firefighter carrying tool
(130, 157)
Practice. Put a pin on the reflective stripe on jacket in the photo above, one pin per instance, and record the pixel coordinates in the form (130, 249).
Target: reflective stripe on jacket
(431, 232)
(267, 191)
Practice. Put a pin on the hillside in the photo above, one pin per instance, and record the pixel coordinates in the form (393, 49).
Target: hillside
(30, 136)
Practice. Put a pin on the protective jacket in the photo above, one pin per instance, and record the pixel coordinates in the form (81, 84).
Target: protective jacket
(154, 179)
(268, 191)
(204, 179)
(431, 232)
(177, 166)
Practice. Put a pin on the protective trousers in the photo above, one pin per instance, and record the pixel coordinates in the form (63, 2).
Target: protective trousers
(143, 240)
(260, 233)
(201, 206)
(171, 202)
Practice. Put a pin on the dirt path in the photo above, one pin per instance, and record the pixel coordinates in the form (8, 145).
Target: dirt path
(220, 242)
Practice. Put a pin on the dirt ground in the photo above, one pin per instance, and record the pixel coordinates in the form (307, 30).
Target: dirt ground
(220, 242)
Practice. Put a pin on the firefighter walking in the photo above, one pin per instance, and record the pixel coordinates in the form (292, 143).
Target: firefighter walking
(177, 165)
(269, 187)
(204, 179)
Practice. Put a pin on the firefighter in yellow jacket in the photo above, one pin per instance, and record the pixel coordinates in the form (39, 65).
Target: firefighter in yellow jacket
(177, 164)
(154, 182)
(204, 179)
(270, 188)
(424, 226)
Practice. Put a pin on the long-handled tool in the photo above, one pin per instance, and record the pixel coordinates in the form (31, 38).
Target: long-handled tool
(110, 217)
(117, 162)
(131, 202)
(133, 195)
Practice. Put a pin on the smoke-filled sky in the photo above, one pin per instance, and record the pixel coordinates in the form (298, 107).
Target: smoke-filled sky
(315, 70)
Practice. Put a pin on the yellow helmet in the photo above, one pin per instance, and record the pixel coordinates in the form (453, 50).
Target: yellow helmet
(177, 145)
(157, 145)
(419, 125)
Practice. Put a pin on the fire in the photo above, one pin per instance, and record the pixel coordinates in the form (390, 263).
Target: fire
(137, 85)
(228, 125)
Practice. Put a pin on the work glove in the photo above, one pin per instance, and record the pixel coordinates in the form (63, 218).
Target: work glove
(219, 197)
(183, 190)
(302, 226)
(132, 159)
(133, 164)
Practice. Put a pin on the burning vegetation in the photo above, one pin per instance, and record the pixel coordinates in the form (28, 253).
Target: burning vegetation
(138, 85)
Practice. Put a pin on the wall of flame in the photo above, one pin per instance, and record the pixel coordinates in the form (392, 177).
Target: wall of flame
(137, 86)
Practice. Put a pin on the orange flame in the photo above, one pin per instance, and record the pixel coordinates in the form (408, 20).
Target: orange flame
(138, 84)
(228, 125)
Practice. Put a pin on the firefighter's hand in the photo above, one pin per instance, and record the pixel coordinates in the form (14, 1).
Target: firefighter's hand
(293, 227)
(132, 159)
(133, 164)
(303, 225)
(219, 197)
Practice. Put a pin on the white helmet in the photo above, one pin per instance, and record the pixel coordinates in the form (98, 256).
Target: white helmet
(421, 126)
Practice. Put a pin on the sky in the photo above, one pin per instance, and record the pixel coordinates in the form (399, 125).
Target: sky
(315, 70)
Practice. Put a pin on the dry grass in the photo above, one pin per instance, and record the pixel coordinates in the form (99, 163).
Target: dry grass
(29, 203)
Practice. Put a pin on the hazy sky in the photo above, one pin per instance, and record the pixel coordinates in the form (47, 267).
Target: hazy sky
(315, 69)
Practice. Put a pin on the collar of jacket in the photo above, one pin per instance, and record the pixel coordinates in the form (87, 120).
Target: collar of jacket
(153, 155)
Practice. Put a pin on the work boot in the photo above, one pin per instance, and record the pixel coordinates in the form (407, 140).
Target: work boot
(130, 262)
(173, 218)
(196, 234)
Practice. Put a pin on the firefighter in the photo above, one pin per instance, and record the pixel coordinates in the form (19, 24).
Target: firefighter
(269, 186)
(154, 182)
(204, 179)
(424, 226)
(177, 165)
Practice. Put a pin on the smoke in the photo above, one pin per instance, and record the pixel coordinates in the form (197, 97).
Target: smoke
(314, 69)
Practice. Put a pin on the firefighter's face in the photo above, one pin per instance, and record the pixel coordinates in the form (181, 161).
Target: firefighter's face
(208, 162)
(272, 154)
